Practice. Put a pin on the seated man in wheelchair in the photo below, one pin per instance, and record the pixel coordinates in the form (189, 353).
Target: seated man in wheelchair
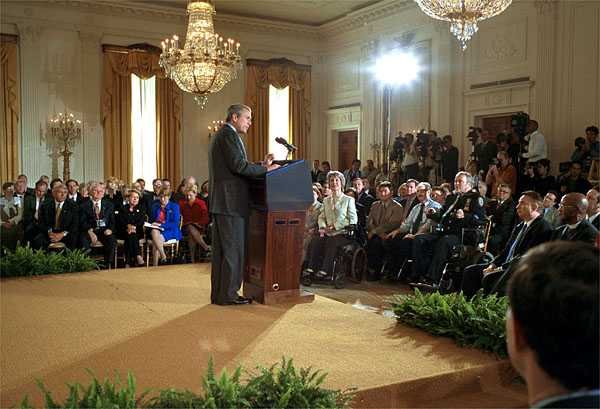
(337, 214)
(462, 209)
(385, 216)
(532, 230)
(398, 244)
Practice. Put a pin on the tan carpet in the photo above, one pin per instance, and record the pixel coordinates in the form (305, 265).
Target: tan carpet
(158, 324)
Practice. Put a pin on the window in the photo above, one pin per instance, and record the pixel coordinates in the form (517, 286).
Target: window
(279, 120)
(143, 127)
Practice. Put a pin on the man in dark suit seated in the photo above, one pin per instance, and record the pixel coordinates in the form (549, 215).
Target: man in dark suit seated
(98, 222)
(229, 170)
(362, 197)
(552, 330)
(593, 212)
(32, 214)
(59, 220)
(73, 189)
(532, 230)
(573, 212)
(503, 219)
(463, 209)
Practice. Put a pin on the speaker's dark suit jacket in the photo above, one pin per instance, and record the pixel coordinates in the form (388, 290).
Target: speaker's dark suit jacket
(229, 170)
(539, 232)
(69, 220)
(583, 232)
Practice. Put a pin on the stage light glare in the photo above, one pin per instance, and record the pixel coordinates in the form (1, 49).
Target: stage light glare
(397, 69)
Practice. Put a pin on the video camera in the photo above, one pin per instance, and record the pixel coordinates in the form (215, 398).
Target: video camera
(519, 122)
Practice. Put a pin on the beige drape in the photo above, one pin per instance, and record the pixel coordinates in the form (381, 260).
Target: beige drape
(9, 108)
(119, 64)
(280, 73)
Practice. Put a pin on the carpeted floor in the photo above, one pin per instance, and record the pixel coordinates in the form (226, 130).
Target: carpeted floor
(158, 324)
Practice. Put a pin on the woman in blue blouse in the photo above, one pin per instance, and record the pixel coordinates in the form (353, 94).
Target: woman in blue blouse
(166, 218)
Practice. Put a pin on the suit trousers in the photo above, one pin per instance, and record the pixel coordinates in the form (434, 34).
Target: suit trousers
(108, 242)
(228, 254)
(375, 255)
(397, 251)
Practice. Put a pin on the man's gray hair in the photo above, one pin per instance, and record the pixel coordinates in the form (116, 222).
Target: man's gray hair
(468, 178)
(424, 185)
(337, 174)
(95, 184)
(236, 109)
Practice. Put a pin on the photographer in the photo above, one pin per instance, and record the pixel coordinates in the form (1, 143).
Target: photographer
(502, 172)
(410, 163)
(449, 159)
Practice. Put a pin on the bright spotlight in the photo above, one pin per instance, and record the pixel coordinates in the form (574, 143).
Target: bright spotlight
(397, 68)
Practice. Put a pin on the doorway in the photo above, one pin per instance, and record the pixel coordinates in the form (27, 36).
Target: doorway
(347, 148)
(496, 124)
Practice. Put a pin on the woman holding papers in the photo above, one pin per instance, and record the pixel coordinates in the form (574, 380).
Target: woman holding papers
(165, 223)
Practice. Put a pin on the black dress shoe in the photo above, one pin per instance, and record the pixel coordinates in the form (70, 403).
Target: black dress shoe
(238, 301)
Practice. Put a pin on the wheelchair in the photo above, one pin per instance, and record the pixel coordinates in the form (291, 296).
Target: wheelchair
(350, 261)
(471, 250)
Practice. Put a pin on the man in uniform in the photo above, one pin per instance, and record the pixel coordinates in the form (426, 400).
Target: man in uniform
(462, 209)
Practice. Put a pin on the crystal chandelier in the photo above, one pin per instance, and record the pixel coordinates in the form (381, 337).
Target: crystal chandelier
(463, 15)
(63, 132)
(207, 62)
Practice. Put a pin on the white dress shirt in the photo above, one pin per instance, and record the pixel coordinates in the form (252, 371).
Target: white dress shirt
(537, 147)
(414, 212)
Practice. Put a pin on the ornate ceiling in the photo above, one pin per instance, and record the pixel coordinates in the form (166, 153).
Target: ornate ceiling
(308, 12)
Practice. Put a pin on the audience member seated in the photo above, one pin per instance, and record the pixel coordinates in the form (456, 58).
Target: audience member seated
(21, 190)
(322, 176)
(179, 194)
(574, 181)
(593, 212)
(438, 194)
(352, 173)
(409, 201)
(73, 191)
(385, 216)
(463, 209)
(370, 172)
(166, 184)
(581, 153)
(504, 172)
(113, 194)
(151, 197)
(311, 222)
(543, 182)
(550, 211)
(573, 214)
(531, 231)
(97, 222)
(502, 218)
(363, 197)
(338, 213)
(398, 245)
(59, 221)
(130, 228)
(84, 192)
(32, 213)
(314, 172)
(11, 213)
(195, 220)
(449, 159)
(165, 219)
(361, 213)
(54, 182)
(382, 176)
(591, 134)
(552, 330)
(472, 168)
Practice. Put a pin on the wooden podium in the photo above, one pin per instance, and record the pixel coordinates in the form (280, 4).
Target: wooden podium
(278, 204)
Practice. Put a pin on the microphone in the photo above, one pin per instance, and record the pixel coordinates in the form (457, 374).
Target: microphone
(285, 143)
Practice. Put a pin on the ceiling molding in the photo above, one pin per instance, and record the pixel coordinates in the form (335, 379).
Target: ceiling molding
(351, 21)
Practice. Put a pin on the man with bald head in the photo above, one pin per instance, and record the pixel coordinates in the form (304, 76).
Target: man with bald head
(573, 212)
(593, 211)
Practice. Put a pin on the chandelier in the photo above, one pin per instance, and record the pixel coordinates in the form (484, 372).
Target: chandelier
(207, 62)
(463, 15)
(63, 132)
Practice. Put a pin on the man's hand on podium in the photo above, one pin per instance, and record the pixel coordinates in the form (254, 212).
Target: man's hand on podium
(268, 163)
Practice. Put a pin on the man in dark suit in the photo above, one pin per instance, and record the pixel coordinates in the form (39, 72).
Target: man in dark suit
(462, 209)
(32, 214)
(532, 230)
(59, 220)
(98, 222)
(73, 191)
(229, 169)
(503, 219)
(362, 197)
(449, 159)
(552, 325)
(593, 212)
(573, 212)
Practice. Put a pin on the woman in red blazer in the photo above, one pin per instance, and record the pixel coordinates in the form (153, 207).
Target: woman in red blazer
(195, 219)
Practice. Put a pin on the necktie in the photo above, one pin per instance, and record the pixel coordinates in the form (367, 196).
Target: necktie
(97, 210)
(417, 222)
(512, 249)
(57, 217)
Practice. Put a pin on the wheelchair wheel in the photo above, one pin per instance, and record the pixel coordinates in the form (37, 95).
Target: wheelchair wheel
(359, 264)
(306, 280)
(339, 281)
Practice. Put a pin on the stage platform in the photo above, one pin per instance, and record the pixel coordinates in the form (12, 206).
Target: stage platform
(159, 324)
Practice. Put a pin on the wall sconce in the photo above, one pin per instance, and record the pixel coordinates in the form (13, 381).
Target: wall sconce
(216, 125)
